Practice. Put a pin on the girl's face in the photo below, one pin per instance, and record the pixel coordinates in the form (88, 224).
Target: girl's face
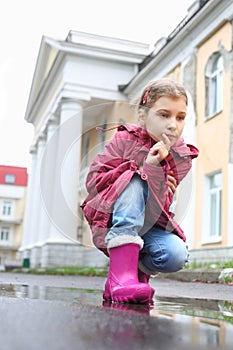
(167, 116)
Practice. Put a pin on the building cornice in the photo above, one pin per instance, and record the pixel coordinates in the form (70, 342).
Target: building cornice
(49, 77)
(105, 47)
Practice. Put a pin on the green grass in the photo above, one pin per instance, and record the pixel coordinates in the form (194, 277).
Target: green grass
(66, 270)
(213, 265)
(102, 271)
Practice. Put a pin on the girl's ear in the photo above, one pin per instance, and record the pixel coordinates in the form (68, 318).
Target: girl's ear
(141, 117)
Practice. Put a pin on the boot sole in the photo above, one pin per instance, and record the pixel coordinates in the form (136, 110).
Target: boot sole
(130, 295)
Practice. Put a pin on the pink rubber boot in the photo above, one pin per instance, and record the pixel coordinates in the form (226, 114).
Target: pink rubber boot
(143, 277)
(122, 284)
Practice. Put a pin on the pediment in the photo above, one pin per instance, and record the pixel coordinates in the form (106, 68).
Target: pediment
(46, 57)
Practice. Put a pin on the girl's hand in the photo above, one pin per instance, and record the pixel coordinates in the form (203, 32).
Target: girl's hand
(172, 185)
(159, 151)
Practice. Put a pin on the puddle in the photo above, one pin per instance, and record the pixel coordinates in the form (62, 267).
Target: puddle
(201, 322)
(210, 322)
(89, 296)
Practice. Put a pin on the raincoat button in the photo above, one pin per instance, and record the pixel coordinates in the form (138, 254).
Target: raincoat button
(144, 176)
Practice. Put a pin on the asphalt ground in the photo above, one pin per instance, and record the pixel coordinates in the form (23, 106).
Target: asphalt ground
(67, 312)
(164, 287)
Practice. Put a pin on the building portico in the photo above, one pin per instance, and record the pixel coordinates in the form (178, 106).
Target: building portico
(74, 82)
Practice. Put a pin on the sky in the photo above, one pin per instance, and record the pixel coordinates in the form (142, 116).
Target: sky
(24, 22)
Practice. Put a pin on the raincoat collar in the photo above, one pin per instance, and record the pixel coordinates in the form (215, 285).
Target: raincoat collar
(180, 147)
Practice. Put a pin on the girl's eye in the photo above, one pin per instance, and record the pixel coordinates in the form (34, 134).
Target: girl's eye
(181, 117)
(164, 115)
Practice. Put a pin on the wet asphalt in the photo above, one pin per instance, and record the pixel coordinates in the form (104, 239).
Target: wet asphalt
(67, 312)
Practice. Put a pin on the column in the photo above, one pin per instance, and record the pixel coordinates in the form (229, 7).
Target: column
(24, 252)
(46, 174)
(61, 204)
(37, 204)
(71, 164)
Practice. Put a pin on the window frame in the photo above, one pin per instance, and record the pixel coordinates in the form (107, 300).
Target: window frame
(101, 137)
(210, 234)
(85, 149)
(5, 230)
(10, 179)
(7, 208)
(214, 85)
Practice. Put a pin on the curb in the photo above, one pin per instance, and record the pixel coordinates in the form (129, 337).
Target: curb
(201, 275)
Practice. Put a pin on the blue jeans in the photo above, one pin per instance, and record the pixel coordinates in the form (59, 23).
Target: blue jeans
(162, 251)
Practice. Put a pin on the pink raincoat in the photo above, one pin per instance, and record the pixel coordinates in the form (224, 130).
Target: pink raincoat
(112, 170)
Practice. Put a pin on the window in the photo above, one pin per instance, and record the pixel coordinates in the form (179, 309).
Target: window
(80, 227)
(213, 208)
(86, 143)
(214, 85)
(215, 204)
(5, 235)
(7, 208)
(9, 179)
(102, 136)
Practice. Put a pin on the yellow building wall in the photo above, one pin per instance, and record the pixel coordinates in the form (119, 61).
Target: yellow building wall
(212, 134)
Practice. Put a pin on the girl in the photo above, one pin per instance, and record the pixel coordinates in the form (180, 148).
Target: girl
(130, 189)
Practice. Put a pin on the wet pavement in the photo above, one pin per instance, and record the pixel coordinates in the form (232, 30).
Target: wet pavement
(67, 312)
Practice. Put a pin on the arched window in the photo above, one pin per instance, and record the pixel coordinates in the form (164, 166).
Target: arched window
(214, 85)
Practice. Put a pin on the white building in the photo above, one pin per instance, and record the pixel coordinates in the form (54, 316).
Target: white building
(74, 81)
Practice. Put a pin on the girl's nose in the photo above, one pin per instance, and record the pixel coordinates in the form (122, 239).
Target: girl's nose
(172, 124)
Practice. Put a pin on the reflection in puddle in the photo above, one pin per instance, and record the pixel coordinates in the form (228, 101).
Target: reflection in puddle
(88, 296)
(201, 322)
(210, 323)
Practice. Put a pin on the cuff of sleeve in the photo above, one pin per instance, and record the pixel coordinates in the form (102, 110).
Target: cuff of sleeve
(151, 170)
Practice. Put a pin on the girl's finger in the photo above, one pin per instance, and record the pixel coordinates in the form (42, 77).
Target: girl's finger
(166, 141)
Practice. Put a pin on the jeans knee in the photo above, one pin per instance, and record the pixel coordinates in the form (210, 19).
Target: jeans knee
(167, 261)
(175, 262)
(176, 258)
